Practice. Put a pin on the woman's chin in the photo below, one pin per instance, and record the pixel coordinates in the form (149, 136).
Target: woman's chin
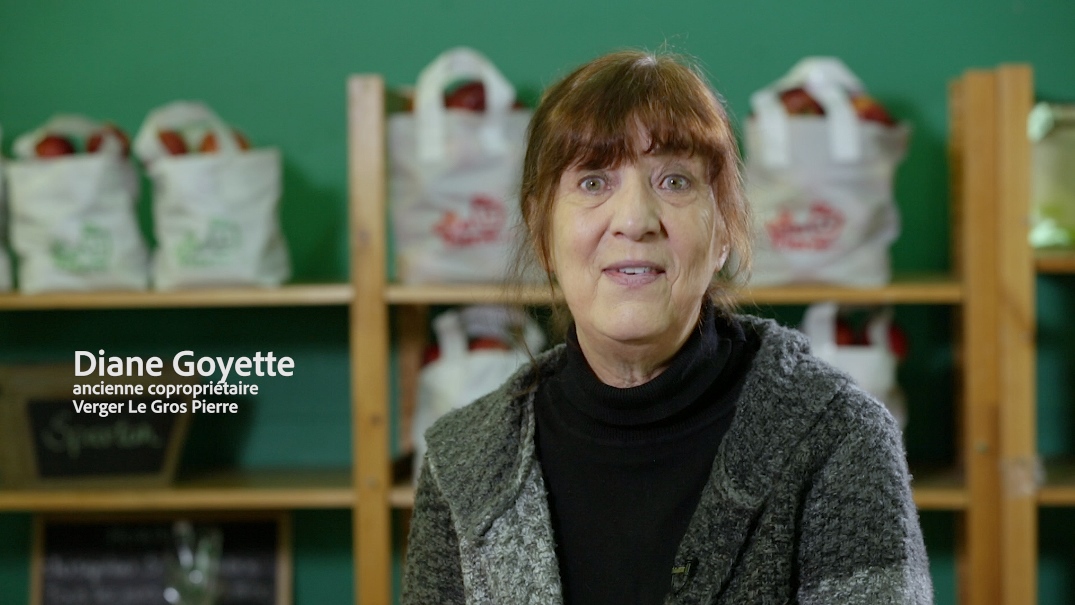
(633, 328)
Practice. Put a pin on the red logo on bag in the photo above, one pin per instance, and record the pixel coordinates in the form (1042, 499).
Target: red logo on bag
(484, 223)
(816, 229)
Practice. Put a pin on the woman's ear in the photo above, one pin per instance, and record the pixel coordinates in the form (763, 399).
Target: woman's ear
(725, 251)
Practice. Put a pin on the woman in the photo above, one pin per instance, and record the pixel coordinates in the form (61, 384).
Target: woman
(670, 451)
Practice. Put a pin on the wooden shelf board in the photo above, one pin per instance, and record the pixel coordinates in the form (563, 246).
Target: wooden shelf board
(1055, 261)
(934, 489)
(283, 296)
(231, 490)
(1059, 486)
(450, 294)
(930, 289)
(938, 488)
(910, 289)
(401, 496)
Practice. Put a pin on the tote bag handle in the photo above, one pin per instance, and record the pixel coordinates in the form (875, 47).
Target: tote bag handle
(430, 113)
(829, 82)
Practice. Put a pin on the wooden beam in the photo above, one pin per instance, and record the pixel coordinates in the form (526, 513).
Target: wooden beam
(369, 339)
(1016, 285)
(974, 215)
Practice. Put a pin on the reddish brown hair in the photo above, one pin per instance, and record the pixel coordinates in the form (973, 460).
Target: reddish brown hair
(590, 119)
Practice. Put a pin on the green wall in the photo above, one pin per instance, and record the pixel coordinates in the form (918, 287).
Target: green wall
(277, 70)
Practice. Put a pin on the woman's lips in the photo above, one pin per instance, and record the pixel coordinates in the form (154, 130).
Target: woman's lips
(633, 274)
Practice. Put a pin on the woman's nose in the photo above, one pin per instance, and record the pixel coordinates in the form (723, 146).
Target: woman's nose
(636, 210)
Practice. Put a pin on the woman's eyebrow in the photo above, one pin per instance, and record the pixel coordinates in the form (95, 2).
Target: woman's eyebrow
(670, 152)
(679, 160)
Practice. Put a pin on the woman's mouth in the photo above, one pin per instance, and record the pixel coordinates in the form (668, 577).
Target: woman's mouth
(630, 274)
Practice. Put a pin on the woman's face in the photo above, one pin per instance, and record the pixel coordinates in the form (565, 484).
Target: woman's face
(634, 248)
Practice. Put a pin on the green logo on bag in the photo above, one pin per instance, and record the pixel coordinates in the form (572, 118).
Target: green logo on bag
(90, 253)
(221, 241)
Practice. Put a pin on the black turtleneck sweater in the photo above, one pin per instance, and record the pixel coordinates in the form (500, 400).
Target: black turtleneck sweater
(625, 468)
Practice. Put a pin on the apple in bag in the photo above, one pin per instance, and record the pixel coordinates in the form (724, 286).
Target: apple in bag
(54, 145)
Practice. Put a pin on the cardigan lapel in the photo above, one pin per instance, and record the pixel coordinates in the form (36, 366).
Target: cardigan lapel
(490, 476)
(772, 418)
(516, 557)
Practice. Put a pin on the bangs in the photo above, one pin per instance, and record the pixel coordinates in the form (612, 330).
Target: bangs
(640, 109)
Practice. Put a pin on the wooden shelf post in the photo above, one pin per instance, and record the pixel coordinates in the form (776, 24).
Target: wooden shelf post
(369, 340)
(972, 150)
(1018, 449)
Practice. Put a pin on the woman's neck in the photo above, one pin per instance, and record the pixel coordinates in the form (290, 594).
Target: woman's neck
(629, 364)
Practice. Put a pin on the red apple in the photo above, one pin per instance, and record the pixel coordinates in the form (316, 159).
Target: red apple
(869, 109)
(845, 334)
(173, 142)
(210, 145)
(798, 102)
(54, 145)
(241, 139)
(470, 95)
(486, 343)
(897, 341)
(431, 354)
(95, 140)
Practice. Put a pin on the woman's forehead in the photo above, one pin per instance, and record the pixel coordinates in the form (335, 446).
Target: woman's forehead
(643, 157)
(611, 146)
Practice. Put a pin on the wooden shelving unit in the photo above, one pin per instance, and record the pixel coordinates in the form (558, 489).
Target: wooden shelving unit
(989, 433)
(971, 488)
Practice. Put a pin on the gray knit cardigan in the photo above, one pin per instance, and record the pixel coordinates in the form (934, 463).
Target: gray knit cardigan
(808, 501)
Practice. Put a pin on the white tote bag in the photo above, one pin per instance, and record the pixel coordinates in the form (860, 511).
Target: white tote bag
(459, 376)
(871, 365)
(821, 186)
(73, 219)
(5, 259)
(216, 215)
(1052, 202)
(454, 175)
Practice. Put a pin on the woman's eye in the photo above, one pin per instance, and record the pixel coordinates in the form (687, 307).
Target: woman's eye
(676, 182)
(592, 184)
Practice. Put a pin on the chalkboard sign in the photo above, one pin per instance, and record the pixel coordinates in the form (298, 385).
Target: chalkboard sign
(68, 444)
(45, 441)
(152, 560)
